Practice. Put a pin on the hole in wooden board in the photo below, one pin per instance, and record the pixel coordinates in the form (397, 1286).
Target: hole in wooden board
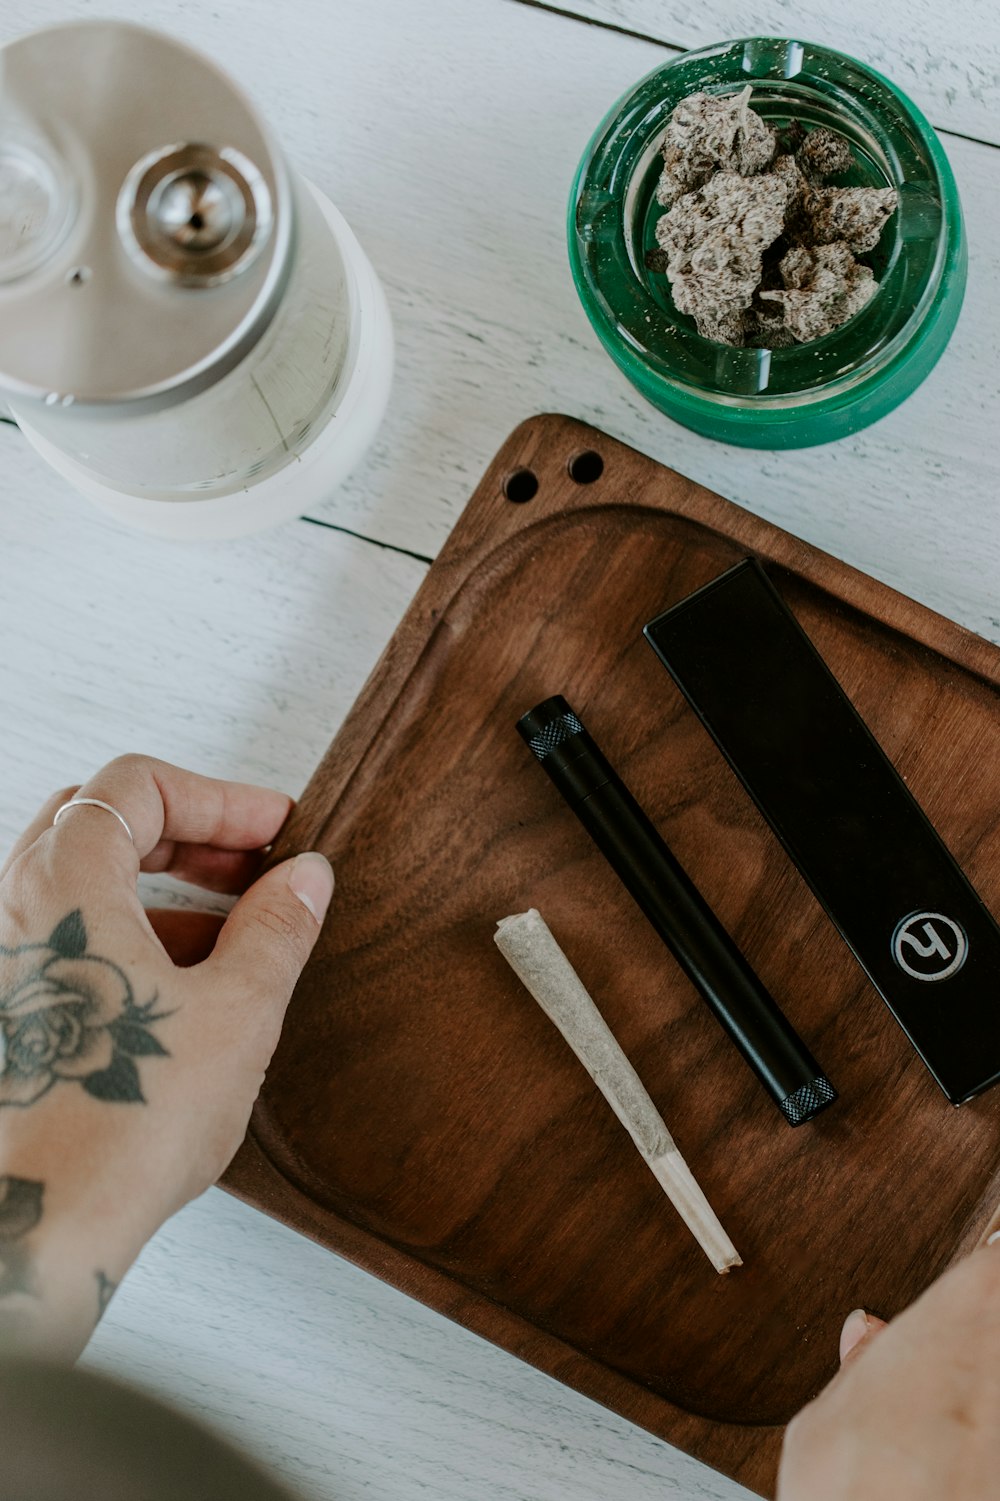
(586, 467)
(521, 486)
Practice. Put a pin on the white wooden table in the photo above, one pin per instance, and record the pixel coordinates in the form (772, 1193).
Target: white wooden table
(447, 132)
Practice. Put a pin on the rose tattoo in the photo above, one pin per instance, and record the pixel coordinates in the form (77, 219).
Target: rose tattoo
(67, 1014)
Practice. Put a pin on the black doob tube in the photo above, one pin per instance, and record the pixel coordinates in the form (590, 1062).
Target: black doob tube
(677, 910)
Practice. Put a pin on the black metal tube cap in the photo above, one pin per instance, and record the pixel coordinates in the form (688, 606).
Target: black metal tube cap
(549, 726)
(556, 736)
(808, 1100)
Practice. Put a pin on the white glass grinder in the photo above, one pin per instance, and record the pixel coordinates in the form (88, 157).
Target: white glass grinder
(189, 332)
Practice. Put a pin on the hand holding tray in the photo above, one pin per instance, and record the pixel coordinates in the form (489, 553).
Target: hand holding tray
(423, 1118)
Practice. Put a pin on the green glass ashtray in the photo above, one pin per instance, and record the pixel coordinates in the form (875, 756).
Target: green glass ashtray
(810, 392)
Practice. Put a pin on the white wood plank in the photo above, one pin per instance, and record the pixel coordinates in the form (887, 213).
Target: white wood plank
(946, 57)
(237, 659)
(448, 133)
(352, 1391)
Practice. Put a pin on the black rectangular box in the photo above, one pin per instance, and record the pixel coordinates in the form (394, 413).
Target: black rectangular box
(842, 812)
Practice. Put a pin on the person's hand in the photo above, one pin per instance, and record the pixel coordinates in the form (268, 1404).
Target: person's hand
(132, 1044)
(914, 1412)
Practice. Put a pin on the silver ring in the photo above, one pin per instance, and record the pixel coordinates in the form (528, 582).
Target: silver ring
(93, 802)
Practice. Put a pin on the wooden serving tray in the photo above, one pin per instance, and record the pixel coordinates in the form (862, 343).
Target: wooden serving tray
(424, 1119)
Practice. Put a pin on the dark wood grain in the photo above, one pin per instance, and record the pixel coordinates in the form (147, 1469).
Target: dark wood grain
(421, 1115)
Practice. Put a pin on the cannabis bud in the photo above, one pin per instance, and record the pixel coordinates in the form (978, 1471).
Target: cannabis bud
(757, 248)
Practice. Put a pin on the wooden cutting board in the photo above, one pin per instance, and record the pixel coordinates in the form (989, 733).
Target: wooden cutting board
(424, 1119)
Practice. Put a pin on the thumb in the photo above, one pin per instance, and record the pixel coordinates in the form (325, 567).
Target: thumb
(860, 1328)
(268, 936)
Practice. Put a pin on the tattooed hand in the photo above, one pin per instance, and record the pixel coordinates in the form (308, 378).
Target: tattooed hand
(67, 1014)
(132, 1043)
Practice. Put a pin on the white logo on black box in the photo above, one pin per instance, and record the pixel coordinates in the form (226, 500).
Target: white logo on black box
(929, 946)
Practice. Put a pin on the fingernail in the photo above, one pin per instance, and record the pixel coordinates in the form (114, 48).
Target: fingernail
(311, 878)
(856, 1326)
(991, 1240)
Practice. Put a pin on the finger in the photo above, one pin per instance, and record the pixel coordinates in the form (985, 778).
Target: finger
(270, 933)
(230, 871)
(187, 937)
(860, 1328)
(163, 802)
(41, 821)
